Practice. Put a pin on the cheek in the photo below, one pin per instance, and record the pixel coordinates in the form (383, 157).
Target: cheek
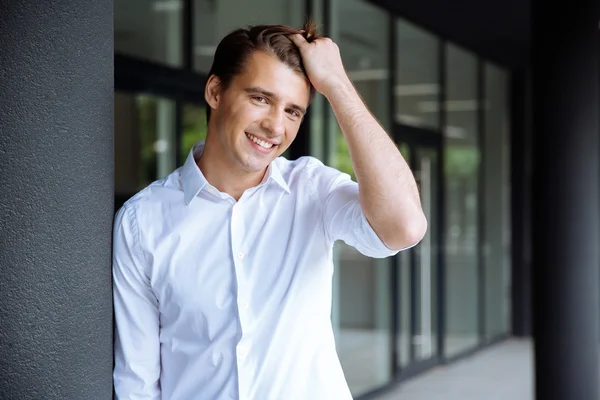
(236, 111)
(291, 130)
(247, 116)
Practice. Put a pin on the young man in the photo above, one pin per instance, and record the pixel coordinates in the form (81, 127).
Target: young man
(223, 269)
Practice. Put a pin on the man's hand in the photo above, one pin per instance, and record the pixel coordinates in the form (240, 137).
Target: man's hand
(388, 192)
(323, 64)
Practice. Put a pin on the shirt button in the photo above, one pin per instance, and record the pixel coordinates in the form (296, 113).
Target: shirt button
(244, 305)
(211, 190)
(240, 255)
(242, 352)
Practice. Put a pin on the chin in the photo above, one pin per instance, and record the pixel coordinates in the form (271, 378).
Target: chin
(257, 167)
(251, 164)
(256, 163)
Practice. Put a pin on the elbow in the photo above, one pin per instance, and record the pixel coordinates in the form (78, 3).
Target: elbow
(408, 234)
(417, 231)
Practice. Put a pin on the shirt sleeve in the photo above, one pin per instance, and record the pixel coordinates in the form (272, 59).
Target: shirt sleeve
(137, 346)
(343, 215)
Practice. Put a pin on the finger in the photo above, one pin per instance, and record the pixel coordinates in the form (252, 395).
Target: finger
(298, 40)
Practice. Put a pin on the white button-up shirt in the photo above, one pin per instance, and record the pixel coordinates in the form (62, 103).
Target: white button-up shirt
(218, 299)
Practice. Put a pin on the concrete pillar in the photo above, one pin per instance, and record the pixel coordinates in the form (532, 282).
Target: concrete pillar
(566, 182)
(56, 199)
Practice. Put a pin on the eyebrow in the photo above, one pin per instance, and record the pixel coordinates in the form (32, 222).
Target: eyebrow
(256, 89)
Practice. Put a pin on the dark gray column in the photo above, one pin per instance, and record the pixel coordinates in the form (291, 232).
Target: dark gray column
(566, 182)
(521, 156)
(56, 199)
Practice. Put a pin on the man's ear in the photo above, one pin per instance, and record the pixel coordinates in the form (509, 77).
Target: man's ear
(212, 91)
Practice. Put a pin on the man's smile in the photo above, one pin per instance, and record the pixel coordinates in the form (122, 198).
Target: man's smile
(262, 144)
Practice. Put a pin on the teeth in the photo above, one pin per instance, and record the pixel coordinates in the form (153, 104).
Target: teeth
(259, 142)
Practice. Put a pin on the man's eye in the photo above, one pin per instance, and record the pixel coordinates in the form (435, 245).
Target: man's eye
(294, 113)
(260, 99)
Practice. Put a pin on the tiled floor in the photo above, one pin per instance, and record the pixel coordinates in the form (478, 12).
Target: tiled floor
(501, 372)
(366, 355)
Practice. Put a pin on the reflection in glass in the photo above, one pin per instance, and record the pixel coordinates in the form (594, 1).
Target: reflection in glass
(417, 88)
(193, 128)
(461, 197)
(405, 309)
(425, 279)
(363, 323)
(150, 30)
(404, 287)
(497, 203)
(461, 95)
(417, 277)
(144, 142)
(214, 19)
(363, 32)
(362, 313)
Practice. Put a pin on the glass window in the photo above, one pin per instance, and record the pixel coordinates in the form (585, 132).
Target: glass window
(417, 87)
(418, 278)
(144, 142)
(362, 33)
(214, 19)
(150, 30)
(193, 128)
(461, 202)
(461, 95)
(404, 293)
(424, 281)
(362, 296)
(497, 202)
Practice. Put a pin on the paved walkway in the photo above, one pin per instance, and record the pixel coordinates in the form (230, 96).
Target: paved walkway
(501, 372)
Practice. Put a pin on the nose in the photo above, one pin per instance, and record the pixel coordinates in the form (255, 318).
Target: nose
(274, 122)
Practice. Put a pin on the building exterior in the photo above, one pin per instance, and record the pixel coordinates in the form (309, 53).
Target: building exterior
(460, 112)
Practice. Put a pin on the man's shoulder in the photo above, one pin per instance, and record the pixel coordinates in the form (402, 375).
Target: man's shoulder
(305, 166)
(310, 172)
(159, 192)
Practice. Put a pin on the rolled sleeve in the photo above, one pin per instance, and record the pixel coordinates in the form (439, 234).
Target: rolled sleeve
(137, 346)
(344, 218)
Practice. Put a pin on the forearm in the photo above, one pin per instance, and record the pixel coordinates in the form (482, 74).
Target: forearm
(388, 191)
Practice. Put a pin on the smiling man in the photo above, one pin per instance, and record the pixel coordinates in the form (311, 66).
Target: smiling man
(223, 269)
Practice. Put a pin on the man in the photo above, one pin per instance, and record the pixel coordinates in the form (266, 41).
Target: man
(223, 269)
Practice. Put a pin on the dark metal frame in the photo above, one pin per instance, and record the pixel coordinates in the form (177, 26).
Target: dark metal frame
(141, 76)
(481, 234)
(441, 201)
(521, 210)
(184, 85)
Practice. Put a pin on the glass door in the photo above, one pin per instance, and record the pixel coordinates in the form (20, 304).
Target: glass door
(417, 274)
(424, 263)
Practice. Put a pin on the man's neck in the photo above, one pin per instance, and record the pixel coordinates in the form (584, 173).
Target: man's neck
(220, 173)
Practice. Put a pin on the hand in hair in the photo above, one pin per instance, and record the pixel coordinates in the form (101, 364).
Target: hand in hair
(322, 62)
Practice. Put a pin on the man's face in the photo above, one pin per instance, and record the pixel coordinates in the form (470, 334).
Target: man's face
(257, 117)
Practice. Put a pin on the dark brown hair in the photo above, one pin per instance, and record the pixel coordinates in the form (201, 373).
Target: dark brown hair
(236, 48)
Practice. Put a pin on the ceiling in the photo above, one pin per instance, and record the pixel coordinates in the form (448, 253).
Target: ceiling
(496, 29)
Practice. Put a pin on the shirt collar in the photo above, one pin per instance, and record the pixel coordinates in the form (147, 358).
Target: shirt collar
(274, 173)
(193, 180)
